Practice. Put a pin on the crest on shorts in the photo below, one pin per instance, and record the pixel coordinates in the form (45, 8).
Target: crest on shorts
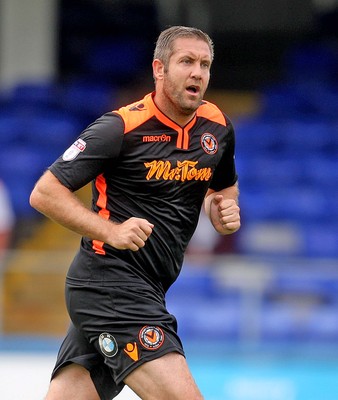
(151, 337)
(74, 150)
(108, 344)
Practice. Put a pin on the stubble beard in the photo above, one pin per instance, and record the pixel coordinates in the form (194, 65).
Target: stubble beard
(179, 101)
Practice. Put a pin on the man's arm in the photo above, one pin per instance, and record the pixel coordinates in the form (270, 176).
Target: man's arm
(222, 209)
(53, 199)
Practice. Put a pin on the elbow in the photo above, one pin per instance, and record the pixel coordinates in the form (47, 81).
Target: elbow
(36, 199)
(33, 199)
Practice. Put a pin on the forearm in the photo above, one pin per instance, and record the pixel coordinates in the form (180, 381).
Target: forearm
(58, 203)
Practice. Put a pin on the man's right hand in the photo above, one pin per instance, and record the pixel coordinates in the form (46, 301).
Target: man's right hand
(132, 234)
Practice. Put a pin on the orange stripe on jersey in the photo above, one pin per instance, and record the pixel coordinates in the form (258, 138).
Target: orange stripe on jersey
(136, 114)
(182, 133)
(186, 136)
(211, 112)
(101, 186)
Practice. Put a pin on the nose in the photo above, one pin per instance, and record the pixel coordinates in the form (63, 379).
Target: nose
(196, 71)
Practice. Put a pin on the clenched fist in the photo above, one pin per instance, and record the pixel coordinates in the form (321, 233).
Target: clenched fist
(224, 215)
(132, 234)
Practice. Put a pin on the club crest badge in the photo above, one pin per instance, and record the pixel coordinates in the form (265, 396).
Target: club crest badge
(209, 143)
(151, 337)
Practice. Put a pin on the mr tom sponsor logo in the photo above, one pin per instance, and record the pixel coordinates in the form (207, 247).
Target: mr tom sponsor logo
(184, 171)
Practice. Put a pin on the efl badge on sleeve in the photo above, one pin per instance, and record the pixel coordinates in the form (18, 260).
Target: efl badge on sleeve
(74, 150)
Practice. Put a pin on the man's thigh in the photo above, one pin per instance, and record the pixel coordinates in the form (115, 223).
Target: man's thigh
(167, 377)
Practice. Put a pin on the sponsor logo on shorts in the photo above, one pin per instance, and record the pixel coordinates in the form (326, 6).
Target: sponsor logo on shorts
(131, 350)
(209, 143)
(74, 150)
(108, 344)
(151, 337)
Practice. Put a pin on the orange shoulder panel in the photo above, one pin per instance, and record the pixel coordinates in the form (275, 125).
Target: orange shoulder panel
(211, 112)
(135, 114)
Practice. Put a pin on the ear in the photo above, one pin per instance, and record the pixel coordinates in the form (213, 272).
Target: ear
(158, 69)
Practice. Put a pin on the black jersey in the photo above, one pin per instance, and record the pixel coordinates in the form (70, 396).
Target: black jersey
(142, 164)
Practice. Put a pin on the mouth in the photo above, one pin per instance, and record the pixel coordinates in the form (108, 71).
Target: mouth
(193, 89)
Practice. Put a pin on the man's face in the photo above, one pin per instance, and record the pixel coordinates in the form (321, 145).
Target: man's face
(187, 76)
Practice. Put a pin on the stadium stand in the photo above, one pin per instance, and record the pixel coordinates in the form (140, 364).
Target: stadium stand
(287, 162)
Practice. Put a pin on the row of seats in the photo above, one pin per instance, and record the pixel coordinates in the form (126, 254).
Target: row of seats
(295, 304)
(291, 136)
(38, 121)
(287, 158)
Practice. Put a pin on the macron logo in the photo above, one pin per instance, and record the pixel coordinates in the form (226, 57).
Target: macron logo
(156, 138)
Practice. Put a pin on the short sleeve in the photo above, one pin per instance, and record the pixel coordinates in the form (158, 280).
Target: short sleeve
(98, 145)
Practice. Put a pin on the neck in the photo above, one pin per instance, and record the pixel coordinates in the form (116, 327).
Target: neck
(171, 112)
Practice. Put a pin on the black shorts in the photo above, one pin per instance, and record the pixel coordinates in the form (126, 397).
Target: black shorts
(114, 330)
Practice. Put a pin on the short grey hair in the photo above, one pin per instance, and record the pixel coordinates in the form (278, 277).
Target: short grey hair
(165, 42)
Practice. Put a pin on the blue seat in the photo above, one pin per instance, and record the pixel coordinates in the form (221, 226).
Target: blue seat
(37, 92)
(278, 323)
(283, 99)
(117, 60)
(321, 171)
(271, 171)
(20, 168)
(256, 135)
(87, 99)
(11, 128)
(321, 240)
(300, 204)
(302, 136)
(311, 60)
(51, 130)
(323, 323)
(204, 318)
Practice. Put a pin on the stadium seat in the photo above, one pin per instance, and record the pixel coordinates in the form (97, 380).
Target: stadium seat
(304, 136)
(204, 318)
(39, 93)
(321, 240)
(278, 323)
(269, 170)
(11, 129)
(87, 99)
(20, 168)
(312, 60)
(116, 60)
(256, 136)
